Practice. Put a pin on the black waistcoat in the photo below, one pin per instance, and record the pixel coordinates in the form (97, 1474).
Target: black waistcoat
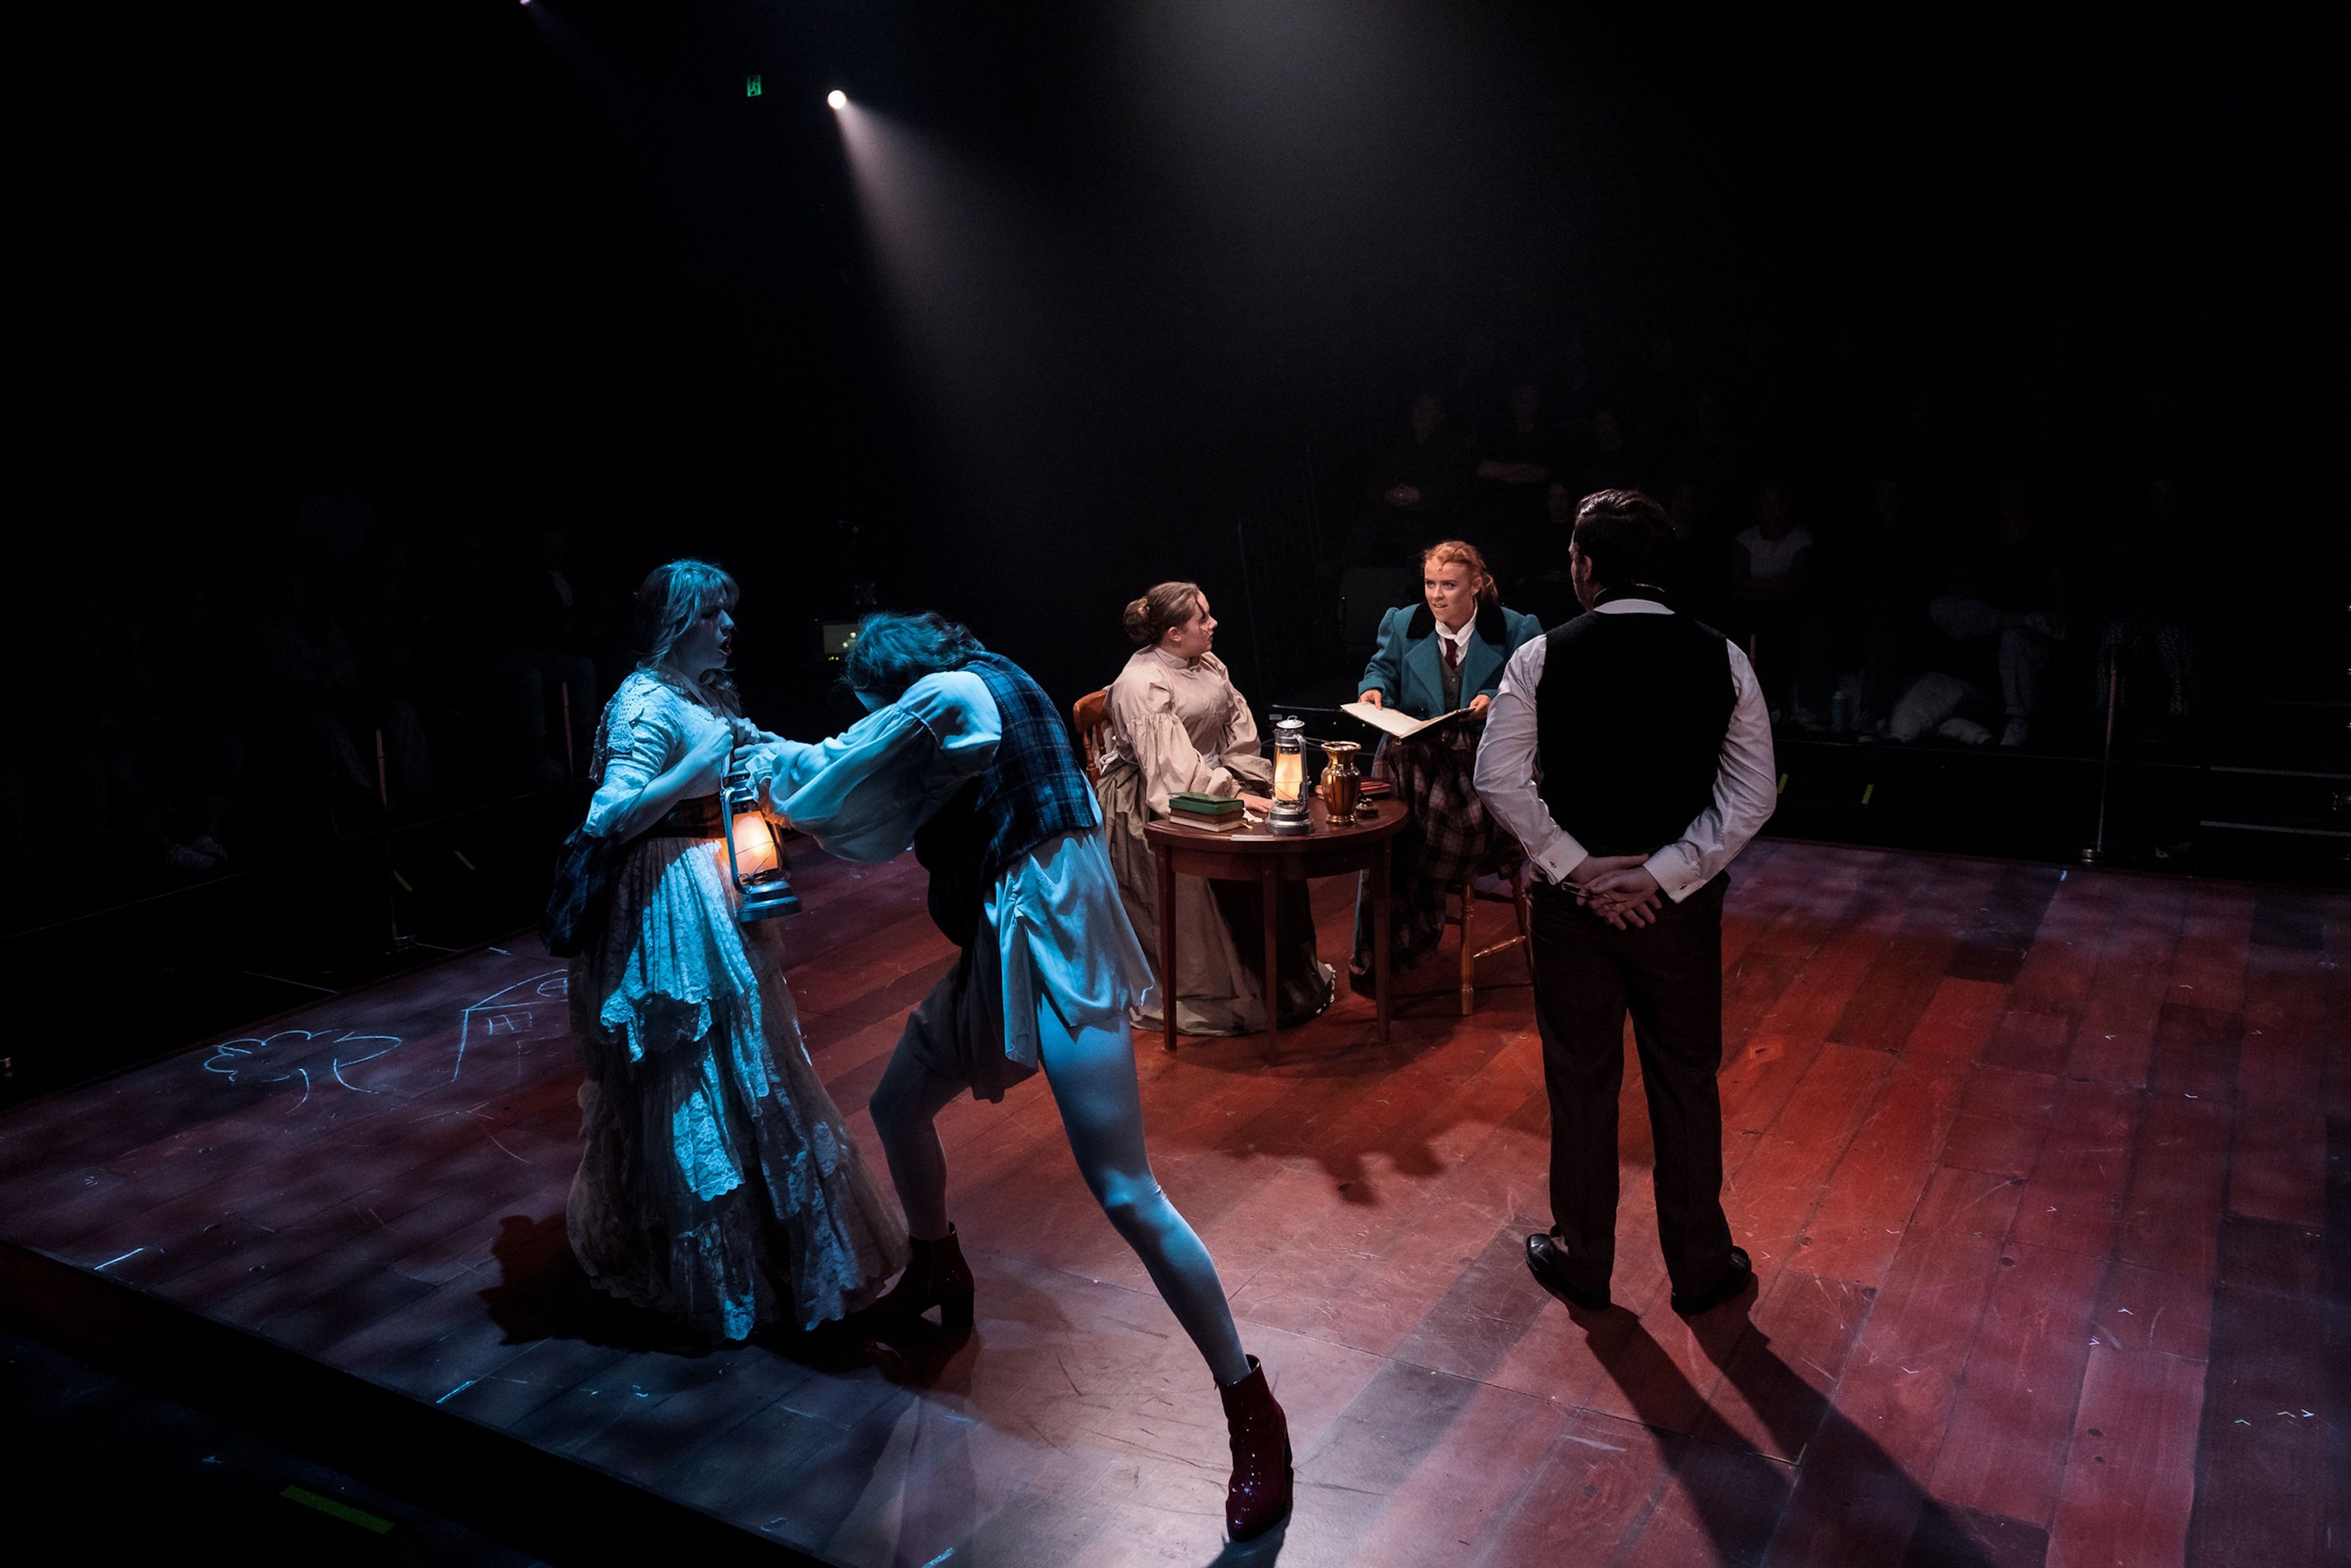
(1630, 716)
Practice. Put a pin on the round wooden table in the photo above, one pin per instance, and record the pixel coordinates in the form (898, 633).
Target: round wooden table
(1252, 855)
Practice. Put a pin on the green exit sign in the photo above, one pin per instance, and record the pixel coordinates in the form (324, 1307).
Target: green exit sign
(750, 86)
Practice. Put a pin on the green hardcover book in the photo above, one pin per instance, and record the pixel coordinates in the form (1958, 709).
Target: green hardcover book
(1206, 805)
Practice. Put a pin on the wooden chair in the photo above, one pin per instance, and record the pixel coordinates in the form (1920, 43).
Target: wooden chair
(1464, 918)
(1090, 716)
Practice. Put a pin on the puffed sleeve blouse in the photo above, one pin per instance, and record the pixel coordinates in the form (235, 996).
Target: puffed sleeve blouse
(647, 726)
(1184, 726)
(863, 793)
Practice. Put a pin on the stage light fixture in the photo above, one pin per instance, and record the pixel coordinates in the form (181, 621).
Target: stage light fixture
(838, 100)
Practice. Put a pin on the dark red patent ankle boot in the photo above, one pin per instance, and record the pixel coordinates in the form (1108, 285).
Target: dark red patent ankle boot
(1259, 1494)
(935, 1276)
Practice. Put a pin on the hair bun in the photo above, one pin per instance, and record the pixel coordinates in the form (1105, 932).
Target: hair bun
(1137, 622)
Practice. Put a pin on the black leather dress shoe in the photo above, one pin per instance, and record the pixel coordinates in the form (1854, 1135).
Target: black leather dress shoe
(1734, 1280)
(1547, 1262)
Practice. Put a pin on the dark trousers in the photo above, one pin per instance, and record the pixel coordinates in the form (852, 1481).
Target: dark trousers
(1669, 977)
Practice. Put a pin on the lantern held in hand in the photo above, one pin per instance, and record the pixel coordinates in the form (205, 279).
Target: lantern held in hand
(754, 854)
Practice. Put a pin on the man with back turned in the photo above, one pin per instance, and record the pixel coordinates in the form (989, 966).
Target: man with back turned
(1630, 751)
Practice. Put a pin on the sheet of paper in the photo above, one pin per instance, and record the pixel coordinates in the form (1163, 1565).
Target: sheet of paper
(1390, 722)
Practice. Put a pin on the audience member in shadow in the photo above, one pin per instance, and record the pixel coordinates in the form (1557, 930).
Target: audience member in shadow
(2151, 594)
(1545, 588)
(1516, 463)
(1609, 462)
(1773, 574)
(1882, 601)
(1700, 578)
(1415, 491)
(514, 723)
(315, 685)
(2009, 595)
(158, 769)
(555, 645)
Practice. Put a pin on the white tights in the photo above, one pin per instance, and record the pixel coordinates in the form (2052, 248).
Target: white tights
(1092, 1074)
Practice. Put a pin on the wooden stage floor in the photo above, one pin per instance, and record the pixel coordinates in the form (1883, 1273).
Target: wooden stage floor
(2034, 1167)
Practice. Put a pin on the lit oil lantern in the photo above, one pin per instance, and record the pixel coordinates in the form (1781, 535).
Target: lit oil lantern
(1289, 814)
(755, 855)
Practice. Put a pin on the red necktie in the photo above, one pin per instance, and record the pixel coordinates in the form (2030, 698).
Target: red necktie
(1452, 655)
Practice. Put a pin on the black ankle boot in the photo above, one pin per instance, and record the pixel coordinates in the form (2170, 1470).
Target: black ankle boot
(935, 1276)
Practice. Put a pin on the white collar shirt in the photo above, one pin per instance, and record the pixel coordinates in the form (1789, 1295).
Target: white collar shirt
(1458, 636)
(1745, 782)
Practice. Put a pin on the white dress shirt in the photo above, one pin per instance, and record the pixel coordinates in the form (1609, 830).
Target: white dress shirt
(1745, 783)
(1458, 638)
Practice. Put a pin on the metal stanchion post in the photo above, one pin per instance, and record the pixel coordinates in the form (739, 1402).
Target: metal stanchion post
(400, 943)
(2097, 850)
(570, 757)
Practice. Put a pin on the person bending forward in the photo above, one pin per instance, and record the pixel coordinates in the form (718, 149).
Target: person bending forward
(1630, 752)
(963, 756)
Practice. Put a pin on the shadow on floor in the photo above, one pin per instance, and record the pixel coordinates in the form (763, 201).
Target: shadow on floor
(1845, 1502)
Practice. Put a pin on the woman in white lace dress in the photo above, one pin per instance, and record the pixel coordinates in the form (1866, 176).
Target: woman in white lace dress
(1179, 724)
(718, 1184)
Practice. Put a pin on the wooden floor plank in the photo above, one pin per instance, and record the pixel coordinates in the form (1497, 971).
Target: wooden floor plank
(1468, 1475)
(2026, 1041)
(2005, 1447)
(2261, 1462)
(1868, 1199)
(1774, 1391)
(1958, 1020)
(2073, 1198)
(2207, 967)
(1586, 1500)
(2002, 1120)
(2130, 1473)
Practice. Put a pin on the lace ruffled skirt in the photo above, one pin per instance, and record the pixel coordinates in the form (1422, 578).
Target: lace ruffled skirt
(718, 1183)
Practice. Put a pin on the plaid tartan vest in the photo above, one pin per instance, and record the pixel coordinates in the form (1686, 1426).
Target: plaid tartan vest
(1032, 791)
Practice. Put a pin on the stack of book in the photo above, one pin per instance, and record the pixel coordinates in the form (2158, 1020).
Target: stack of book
(1215, 813)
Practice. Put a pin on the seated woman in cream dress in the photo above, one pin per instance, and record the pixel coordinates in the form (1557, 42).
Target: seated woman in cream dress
(1177, 725)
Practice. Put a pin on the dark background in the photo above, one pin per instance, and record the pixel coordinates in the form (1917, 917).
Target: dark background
(1124, 291)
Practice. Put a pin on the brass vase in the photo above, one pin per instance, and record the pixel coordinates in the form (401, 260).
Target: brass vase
(1341, 785)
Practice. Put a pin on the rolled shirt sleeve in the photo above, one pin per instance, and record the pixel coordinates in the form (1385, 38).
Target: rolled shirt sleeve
(1746, 789)
(862, 793)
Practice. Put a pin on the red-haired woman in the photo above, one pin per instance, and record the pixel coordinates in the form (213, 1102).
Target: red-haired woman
(718, 1184)
(1442, 655)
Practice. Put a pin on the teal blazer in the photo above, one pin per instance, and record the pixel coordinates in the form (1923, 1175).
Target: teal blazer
(1407, 668)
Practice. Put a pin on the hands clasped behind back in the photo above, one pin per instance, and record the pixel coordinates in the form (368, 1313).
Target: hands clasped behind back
(1619, 889)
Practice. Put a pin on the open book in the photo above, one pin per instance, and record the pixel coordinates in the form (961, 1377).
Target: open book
(1394, 723)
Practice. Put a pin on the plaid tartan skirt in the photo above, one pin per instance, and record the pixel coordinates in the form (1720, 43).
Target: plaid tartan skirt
(1450, 838)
